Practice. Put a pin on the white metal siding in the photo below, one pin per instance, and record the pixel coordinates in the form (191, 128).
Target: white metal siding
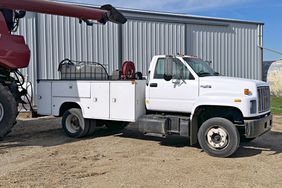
(63, 37)
(233, 49)
(141, 40)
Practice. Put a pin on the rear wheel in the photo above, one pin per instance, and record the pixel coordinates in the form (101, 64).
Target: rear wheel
(74, 124)
(219, 137)
(8, 111)
(92, 126)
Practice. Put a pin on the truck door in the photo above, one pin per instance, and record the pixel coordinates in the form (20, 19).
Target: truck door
(177, 93)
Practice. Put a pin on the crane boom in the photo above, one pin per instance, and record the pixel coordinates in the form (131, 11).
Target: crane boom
(102, 15)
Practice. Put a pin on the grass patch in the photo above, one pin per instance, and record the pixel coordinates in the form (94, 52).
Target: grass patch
(276, 105)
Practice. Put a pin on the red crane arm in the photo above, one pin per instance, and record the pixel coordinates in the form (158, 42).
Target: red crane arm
(106, 13)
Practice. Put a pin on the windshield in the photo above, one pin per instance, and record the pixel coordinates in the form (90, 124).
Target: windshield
(200, 67)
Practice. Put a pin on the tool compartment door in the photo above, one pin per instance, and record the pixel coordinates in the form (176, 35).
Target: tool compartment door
(44, 98)
(100, 104)
(122, 101)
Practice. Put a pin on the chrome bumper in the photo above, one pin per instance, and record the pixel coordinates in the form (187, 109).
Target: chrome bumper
(257, 127)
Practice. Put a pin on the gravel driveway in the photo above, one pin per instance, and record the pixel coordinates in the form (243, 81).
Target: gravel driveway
(38, 154)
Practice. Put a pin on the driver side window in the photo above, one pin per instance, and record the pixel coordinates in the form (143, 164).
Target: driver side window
(160, 69)
(179, 70)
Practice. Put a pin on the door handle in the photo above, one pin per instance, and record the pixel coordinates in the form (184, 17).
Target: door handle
(153, 85)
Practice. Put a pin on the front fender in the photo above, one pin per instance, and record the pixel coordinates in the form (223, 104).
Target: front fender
(241, 102)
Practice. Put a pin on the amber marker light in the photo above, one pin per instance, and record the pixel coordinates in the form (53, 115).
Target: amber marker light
(247, 92)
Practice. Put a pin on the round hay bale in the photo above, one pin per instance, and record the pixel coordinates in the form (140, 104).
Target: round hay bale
(274, 78)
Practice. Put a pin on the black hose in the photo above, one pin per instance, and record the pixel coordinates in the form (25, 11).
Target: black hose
(20, 84)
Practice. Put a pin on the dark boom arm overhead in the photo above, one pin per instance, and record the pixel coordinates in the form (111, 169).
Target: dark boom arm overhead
(103, 15)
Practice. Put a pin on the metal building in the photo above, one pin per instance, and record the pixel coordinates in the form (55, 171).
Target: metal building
(231, 45)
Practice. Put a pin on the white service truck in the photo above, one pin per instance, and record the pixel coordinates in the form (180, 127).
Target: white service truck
(182, 95)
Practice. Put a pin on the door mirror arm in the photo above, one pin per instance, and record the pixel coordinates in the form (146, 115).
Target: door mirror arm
(181, 77)
(179, 81)
(183, 81)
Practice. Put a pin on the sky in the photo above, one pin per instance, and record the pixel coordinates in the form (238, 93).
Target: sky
(267, 11)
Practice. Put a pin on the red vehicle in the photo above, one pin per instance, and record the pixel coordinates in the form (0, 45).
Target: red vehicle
(15, 53)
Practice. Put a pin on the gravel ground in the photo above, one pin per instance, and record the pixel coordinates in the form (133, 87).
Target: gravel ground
(38, 154)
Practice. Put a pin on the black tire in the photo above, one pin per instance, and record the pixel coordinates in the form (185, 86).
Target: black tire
(219, 137)
(8, 111)
(116, 125)
(74, 124)
(92, 126)
(100, 123)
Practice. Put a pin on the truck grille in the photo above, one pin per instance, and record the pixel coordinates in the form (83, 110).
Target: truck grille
(263, 99)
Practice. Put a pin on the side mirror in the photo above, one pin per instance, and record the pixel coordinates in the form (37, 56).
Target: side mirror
(168, 68)
(167, 77)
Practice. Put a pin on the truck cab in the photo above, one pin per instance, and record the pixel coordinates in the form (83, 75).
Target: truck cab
(187, 84)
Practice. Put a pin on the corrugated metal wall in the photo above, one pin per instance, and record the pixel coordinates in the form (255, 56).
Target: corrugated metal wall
(62, 37)
(232, 46)
(233, 49)
(141, 40)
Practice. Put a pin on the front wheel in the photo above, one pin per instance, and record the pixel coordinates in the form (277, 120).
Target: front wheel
(219, 137)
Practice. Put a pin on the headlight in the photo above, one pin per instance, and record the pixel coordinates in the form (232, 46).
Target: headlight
(253, 109)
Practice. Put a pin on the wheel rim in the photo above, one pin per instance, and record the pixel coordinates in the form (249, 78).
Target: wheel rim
(217, 138)
(1, 112)
(73, 124)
